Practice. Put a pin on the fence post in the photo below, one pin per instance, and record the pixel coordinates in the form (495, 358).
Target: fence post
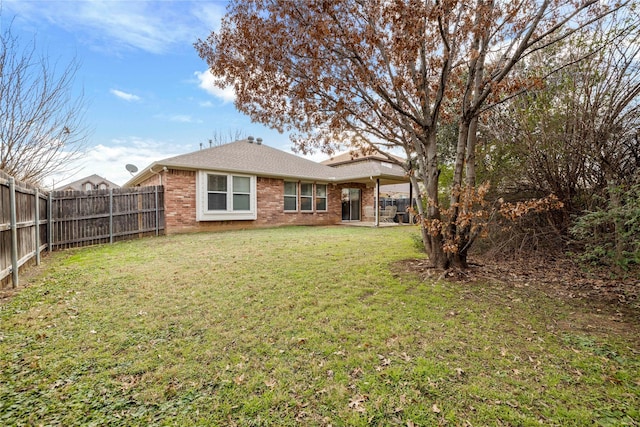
(111, 215)
(157, 213)
(50, 222)
(37, 226)
(14, 232)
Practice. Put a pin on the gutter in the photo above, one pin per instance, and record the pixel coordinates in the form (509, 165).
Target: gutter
(141, 176)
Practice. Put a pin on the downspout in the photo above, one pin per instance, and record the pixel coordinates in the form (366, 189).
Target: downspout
(164, 169)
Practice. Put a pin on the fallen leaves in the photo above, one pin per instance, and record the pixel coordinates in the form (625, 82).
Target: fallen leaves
(556, 276)
(384, 362)
(239, 380)
(356, 403)
(356, 372)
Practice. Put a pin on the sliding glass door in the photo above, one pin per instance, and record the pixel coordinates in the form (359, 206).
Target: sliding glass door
(351, 204)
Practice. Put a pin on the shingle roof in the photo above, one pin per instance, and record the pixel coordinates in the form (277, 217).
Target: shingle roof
(262, 160)
(242, 156)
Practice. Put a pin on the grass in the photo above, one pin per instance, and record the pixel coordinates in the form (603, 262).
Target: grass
(299, 326)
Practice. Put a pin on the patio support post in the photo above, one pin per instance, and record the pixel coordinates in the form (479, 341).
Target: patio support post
(377, 201)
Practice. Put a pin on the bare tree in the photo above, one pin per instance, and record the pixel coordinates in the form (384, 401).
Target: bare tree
(219, 137)
(41, 128)
(578, 136)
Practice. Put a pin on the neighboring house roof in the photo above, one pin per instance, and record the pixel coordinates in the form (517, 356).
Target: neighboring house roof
(78, 185)
(258, 159)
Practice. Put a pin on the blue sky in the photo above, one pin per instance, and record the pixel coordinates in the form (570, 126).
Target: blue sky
(148, 93)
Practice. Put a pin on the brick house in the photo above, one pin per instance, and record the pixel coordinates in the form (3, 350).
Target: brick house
(246, 184)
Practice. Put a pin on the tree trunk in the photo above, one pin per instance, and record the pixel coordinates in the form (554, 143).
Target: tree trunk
(433, 241)
(456, 184)
(458, 260)
(458, 170)
(439, 259)
(470, 164)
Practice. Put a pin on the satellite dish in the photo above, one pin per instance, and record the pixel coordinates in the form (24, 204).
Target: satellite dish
(132, 168)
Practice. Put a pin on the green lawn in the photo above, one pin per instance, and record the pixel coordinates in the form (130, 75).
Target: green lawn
(300, 326)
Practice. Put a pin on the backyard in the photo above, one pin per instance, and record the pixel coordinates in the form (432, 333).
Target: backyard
(303, 326)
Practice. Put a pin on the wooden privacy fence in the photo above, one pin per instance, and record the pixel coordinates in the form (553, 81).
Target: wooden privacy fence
(81, 218)
(32, 221)
(23, 227)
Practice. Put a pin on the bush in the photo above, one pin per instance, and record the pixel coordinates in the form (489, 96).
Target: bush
(611, 234)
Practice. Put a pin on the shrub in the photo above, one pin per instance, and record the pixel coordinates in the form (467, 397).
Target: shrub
(611, 234)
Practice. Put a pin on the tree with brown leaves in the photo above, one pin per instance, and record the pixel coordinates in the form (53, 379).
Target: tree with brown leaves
(381, 75)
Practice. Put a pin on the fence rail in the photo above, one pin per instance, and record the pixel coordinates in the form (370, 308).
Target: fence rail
(32, 221)
(80, 218)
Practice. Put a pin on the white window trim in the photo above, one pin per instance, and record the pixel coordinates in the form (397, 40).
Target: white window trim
(202, 214)
(326, 197)
(312, 197)
(297, 196)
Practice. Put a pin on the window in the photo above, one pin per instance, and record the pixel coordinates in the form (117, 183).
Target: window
(222, 197)
(102, 186)
(241, 193)
(88, 186)
(321, 197)
(306, 196)
(217, 192)
(290, 196)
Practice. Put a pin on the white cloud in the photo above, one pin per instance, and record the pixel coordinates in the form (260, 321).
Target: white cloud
(153, 26)
(109, 161)
(183, 118)
(209, 13)
(178, 118)
(124, 95)
(206, 81)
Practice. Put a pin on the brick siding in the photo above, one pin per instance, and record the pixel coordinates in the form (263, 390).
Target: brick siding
(180, 204)
(368, 199)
